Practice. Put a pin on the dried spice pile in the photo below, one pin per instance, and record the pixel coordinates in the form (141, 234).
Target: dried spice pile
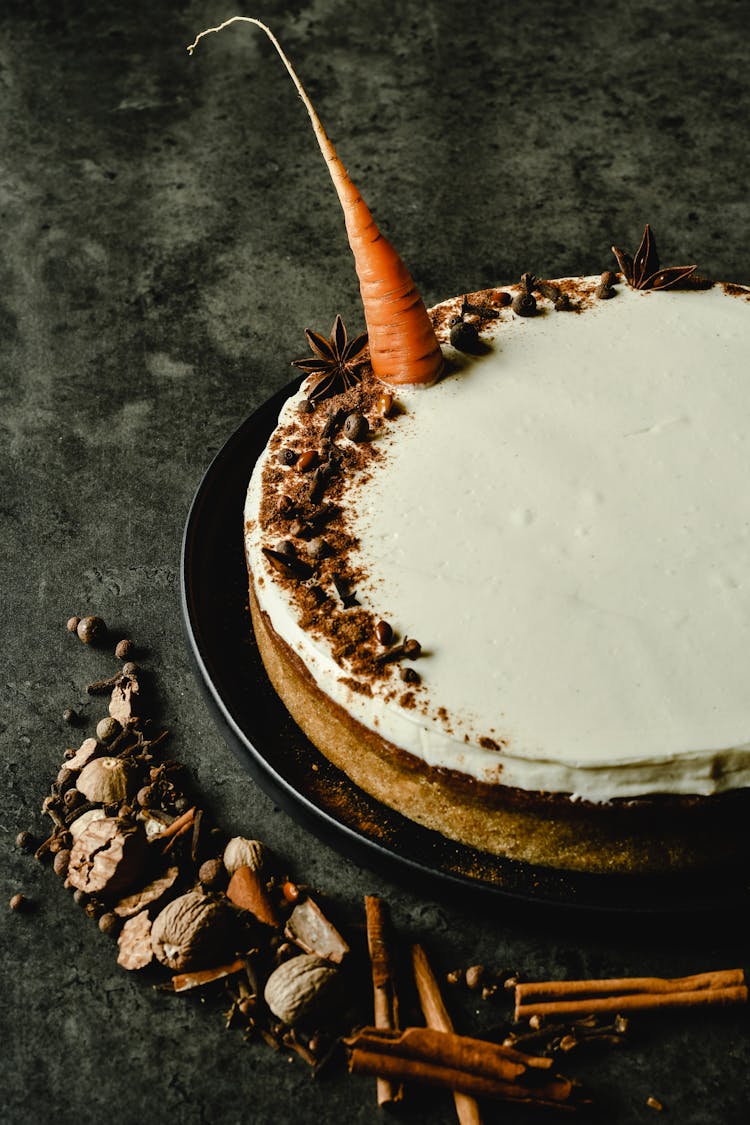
(193, 909)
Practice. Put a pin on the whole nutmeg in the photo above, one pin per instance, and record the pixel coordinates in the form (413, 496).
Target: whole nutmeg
(107, 856)
(240, 852)
(192, 930)
(295, 990)
(107, 729)
(91, 630)
(108, 780)
(82, 822)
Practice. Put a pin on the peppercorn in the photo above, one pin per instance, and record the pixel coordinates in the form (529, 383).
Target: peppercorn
(70, 716)
(107, 729)
(72, 798)
(317, 549)
(305, 406)
(524, 304)
(91, 630)
(109, 924)
(130, 669)
(124, 649)
(26, 842)
(286, 456)
(464, 337)
(72, 624)
(410, 676)
(19, 902)
(356, 427)
(62, 859)
(412, 648)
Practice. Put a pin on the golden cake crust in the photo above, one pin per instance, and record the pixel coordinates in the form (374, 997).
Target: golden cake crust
(653, 836)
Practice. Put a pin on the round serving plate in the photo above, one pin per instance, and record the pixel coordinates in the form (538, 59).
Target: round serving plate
(279, 757)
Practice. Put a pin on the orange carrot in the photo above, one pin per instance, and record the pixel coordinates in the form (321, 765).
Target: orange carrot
(403, 344)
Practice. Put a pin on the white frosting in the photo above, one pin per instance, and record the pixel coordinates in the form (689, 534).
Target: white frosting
(564, 524)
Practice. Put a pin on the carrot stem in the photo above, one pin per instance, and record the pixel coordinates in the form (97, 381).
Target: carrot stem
(403, 344)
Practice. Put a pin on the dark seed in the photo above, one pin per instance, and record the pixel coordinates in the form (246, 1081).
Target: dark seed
(130, 669)
(70, 716)
(464, 337)
(524, 304)
(384, 632)
(356, 427)
(26, 842)
(286, 456)
(412, 648)
(109, 924)
(285, 547)
(72, 798)
(410, 676)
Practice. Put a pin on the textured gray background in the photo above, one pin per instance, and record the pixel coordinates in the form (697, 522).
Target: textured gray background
(168, 230)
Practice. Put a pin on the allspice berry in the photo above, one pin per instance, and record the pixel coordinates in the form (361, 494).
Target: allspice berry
(465, 338)
(72, 624)
(19, 902)
(107, 729)
(91, 630)
(212, 873)
(124, 649)
(70, 716)
(62, 859)
(356, 427)
(475, 976)
(109, 924)
(26, 842)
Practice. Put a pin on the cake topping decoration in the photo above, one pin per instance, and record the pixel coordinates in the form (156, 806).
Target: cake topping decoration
(605, 290)
(335, 361)
(643, 272)
(524, 304)
(403, 344)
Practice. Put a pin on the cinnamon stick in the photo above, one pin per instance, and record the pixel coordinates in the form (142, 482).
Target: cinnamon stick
(436, 1016)
(183, 982)
(472, 1068)
(548, 990)
(178, 826)
(578, 997)
(634, 1002)
(385, 999)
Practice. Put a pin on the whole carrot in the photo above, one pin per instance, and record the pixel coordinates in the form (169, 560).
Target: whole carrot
(403, 344)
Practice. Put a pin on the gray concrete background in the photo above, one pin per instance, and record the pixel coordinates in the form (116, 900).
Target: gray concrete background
(168, 230)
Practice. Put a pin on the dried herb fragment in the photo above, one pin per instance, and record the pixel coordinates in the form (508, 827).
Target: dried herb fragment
(643, 272)
(286, 564)
(335, 363)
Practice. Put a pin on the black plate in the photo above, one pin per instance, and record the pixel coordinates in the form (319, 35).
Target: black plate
(289, 768)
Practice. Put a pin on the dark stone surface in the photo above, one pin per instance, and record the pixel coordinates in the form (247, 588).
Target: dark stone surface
(168, 232)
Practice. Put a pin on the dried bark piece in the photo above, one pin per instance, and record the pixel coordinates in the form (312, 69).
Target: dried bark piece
(134, 942)
(152, 892)
(309, 928)
(192, 930)
(184, 982)
(123, 704)
(247, 890)
(107, 857)
(88, 749)
(82, 822)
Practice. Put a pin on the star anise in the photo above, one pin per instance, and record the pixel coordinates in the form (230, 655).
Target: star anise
(335, 362)
(643, 272)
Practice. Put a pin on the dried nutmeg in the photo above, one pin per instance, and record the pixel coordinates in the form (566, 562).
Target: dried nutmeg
(240, 852)
(134, 943)
(107, 856)
(190, 931)
(294, 992)
(108, 780)
(91, 630)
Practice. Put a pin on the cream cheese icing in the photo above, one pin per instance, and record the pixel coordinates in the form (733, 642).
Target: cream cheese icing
(564, 523)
